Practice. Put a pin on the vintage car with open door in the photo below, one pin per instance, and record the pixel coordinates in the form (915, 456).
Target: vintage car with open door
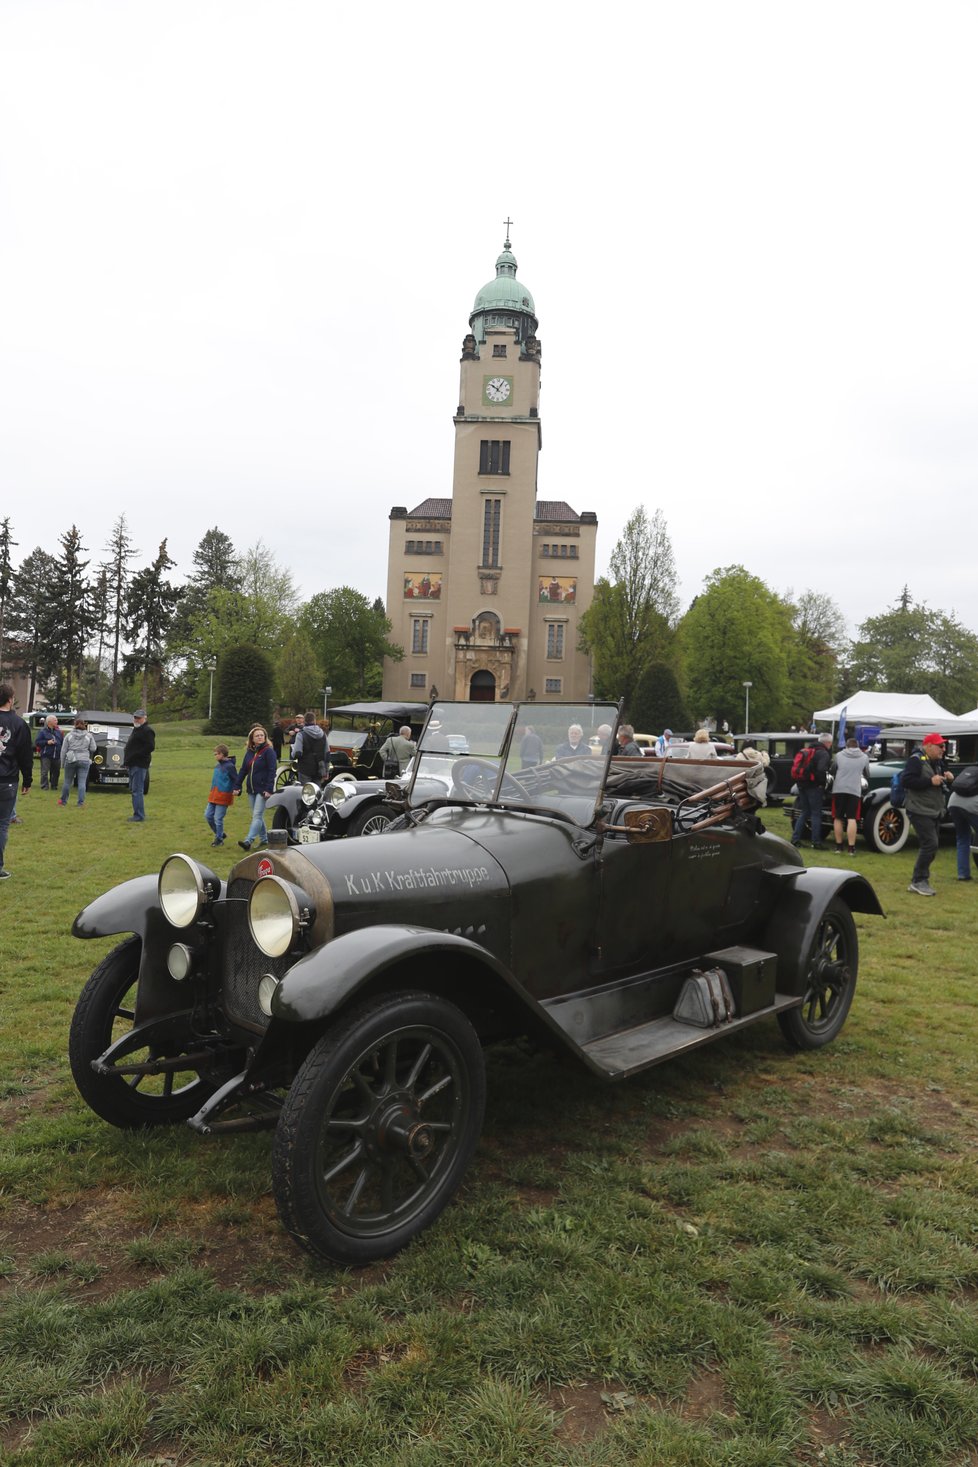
(622, 910)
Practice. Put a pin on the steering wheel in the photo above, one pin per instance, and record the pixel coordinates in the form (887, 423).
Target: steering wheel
(476, 780)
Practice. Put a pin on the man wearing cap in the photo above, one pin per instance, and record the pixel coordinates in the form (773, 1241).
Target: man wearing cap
(139, 756)
(811, 789)
(925, 778)
(662, 743)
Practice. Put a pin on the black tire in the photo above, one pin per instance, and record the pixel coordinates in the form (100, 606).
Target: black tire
(378, 1127)
(104, 1012)
(280, 818)
(886, 829)
(831, 966)
(372, 819)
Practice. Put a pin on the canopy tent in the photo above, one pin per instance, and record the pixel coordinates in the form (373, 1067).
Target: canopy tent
(971, 717)
(884, 708)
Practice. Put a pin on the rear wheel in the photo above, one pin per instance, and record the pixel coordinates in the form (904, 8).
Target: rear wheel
(104, 1013)
(286, 776)
(378, 1127)
(831, 966)
(886, 829)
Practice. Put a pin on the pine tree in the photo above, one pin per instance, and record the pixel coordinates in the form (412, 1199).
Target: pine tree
(70, 593)
(121, 552)
(7, 543)
(149, 610)
(33, 617)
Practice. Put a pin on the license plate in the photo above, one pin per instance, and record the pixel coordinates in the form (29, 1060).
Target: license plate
(307, 837)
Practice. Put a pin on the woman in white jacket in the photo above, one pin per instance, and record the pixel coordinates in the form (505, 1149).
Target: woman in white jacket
(77, 752)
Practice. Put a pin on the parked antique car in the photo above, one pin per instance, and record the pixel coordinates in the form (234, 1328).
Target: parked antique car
(885, 828)
(348, 806)
(622, 911)
(111, 730)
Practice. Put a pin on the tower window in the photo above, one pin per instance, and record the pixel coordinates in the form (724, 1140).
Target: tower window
(498, 350)
(555, 640)
(494, 456)
(552, 685)
(544, 549)
(418, 679)
(419, 635)
(490, 531)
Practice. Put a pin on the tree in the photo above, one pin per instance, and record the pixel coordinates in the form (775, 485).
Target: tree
(243, 691)
(33, 618)
(7, 543)
(70, 592)
(912, 649)
(149, 611)
(98, 628)
(818, 648)
(300, 683)
(657, 702)
(629, 622)
(737, 631)
(216, 563)
(121, 552)
(350, 639)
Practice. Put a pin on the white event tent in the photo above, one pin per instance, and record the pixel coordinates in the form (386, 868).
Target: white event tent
(864, 707)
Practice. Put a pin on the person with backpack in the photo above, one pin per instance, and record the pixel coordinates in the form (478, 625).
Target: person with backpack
(311, 751)
(849, 768)
(925, 778)
(963, 810)
(809, 771)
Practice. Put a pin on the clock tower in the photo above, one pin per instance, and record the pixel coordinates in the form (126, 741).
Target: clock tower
(473, 594)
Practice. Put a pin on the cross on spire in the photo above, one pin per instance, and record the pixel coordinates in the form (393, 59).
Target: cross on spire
(507, 223)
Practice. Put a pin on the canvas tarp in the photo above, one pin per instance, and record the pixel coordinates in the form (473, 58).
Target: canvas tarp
(864, 707)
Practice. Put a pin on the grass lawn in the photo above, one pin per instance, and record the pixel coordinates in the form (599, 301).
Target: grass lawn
(748, 1258)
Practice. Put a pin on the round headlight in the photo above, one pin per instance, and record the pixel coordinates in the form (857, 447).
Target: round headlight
(267, 985)
(184, 888)
(276, 914)
(98, 759)
(310, 793)
(179, 961)
(338, 792)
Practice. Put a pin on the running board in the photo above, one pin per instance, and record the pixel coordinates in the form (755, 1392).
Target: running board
(616, 1056)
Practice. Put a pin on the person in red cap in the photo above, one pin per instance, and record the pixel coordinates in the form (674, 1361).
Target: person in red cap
(925, 778)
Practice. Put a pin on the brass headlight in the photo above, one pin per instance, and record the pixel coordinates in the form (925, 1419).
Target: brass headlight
(185, 889)
(277, 913)
(98, 759)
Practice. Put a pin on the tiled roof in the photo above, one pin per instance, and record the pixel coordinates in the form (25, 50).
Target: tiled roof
(433, 509)
(555, 509)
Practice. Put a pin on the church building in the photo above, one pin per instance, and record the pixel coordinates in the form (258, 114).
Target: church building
(485, 589)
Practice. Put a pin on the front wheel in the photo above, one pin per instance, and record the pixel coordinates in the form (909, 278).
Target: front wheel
(286, 775)
(104, 1013)
(830, 968)
(886, 829)
(378, 1127)
(373, 820)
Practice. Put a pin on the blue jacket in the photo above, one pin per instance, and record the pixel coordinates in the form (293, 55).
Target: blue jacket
(223, 781)
(44, 740)
(258, 770)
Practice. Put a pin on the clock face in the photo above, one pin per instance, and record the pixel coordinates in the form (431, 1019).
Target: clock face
(498, 389)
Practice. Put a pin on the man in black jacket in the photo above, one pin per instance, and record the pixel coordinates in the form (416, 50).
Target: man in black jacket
(811, 790)
(139, 756)
(16, 758)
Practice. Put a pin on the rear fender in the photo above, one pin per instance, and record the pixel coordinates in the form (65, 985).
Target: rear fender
(793, 924)
(327, 979)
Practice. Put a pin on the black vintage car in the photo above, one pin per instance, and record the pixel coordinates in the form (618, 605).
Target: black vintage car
(356, 733)
(622, 910)
(111, 730)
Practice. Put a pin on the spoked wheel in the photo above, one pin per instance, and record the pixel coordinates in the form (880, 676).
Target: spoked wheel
(285, 776)
(378, 1127)
(374, 820)
(886, 829)
(830, 978)
(104, 1013)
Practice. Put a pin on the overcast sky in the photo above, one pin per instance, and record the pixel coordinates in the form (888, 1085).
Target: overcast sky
(239, 244)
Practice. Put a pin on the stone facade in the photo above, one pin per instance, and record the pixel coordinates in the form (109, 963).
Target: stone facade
(485, 589)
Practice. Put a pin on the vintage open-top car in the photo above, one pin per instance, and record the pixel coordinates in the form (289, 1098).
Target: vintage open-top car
(622, 910)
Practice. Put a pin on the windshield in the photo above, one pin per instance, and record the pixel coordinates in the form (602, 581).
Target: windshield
(529, 756)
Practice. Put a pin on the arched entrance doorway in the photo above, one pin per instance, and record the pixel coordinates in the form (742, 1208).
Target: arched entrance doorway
(482, 688)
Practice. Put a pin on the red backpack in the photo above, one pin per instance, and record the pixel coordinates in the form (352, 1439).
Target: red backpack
(801, 765)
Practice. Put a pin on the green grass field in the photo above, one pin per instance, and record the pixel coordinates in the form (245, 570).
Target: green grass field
(748, 1258)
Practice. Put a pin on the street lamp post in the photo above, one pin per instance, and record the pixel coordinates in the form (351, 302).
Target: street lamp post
(326, 693)
(747, 688)
(211, 668)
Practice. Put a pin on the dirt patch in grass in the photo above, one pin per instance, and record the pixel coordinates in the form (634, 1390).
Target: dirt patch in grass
(705, 1394)
(583, 1412)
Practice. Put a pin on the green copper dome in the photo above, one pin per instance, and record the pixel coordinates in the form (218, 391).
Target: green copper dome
(504, 301)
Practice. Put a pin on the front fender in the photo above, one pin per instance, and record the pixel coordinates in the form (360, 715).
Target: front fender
(125, 908)
(791, 928)
(289, 799)
(328, 978)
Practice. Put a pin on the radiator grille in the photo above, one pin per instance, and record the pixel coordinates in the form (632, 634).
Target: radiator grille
(242, 964)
